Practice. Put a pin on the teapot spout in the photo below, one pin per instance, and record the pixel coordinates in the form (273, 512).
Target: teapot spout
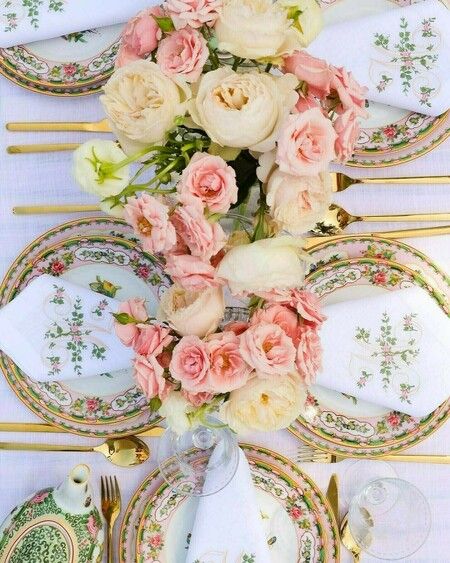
(74, 495)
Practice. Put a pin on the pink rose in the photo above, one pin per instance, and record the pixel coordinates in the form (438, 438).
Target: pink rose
(125, 56)
(149, 375)
(191, 272)
(306, 143)
(150, 221)
(280, 315)
(315, 72)
(204, 239)
(228, 370)
(183, 53)
(306, 102)
(268, 349)
(238, 327)
(197, 399)
(190, 364)
(92, 527)
(152, 339)
(347, 129)
(309, 355)
(141, 34)
(210, 179)
(307, 306)
(351, 94)
(193, 12)
(135, 308)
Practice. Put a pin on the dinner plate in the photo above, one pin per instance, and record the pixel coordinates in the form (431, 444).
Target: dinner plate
(72, 65)
(106, 405)
(296, 518)
(390, 135)
(341, 423)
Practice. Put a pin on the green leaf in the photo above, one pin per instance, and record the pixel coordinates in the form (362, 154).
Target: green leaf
(245, 167)
(155, 404)
(124, 318)
(165, 24)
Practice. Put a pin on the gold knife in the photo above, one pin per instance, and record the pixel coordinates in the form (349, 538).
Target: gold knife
(93, 126)
(42, 427)
(333, 496)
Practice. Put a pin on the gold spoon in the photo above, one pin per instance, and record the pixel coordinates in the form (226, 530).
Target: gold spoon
(337, 218)
(348, 540)
(125, 452)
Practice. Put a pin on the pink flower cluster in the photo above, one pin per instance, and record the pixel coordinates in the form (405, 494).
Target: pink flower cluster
(316, 140)
(184, 51)
(281, 337)
(183, 234)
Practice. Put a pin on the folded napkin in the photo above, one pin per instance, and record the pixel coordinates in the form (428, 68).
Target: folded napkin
(55, 330)
(23, 22)
(390, 349)
(402, 55)
(228, 526)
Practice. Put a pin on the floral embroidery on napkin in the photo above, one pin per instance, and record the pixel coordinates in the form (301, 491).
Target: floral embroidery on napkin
(390, 355)
(221, 557)
(14, 11)
(409, 59)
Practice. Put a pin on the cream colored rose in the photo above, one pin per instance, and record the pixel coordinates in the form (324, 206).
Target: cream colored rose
(243, 110)
(255, 29)
(142, 103)
(265, 404)
(306, 16)
(297, 203)
(175, 409)
(192, 312)
(265, 264)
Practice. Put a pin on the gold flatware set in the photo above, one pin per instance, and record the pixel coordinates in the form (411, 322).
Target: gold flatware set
(111, 506)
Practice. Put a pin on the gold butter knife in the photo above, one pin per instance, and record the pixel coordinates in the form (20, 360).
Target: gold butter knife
(154, 432)
(333, 496)
(93, 126)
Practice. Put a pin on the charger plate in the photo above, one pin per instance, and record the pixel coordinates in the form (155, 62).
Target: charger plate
(390, 135)
(72, 65)
(106, 405)
(295, 515)
(341, 423)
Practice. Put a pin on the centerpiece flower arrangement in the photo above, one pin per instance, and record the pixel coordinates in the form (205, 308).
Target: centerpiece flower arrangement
(216, 101)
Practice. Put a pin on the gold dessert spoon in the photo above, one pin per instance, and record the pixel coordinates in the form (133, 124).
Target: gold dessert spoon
(125, 452)
(348, 540)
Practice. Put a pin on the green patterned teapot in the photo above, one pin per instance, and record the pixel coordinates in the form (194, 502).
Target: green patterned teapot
(60, 525)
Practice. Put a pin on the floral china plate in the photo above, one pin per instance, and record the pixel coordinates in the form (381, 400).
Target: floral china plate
(106, 405)
(72, 65)
(390, 135)
(341, 423)
(296, 518)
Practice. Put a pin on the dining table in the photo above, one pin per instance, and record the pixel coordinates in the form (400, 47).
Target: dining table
(32, 179)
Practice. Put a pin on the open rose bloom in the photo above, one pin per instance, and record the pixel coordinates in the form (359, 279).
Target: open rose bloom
(227, 128)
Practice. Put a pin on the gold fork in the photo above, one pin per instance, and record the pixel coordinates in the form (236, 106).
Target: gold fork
(309, 454)
(111, 506)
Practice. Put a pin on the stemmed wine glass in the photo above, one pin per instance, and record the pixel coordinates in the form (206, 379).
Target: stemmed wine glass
(200, 462)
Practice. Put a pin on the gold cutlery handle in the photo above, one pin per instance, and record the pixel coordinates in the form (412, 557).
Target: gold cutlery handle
(405, 180)
(58, 126)
(407, 217)
(417, 458)
(154, 432)
(44, 147)
(25, 446)
(43, 209)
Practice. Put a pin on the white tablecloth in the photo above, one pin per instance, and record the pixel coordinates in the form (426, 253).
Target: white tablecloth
(46, 178)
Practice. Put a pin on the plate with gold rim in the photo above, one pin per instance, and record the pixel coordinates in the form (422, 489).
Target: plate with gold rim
(390, 136)
(75, 64)
(296, 518)
(108, 404)
(341, 423)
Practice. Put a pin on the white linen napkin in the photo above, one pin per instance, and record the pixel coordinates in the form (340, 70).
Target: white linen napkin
(402, 55)
(55, 330)
(228, 525)
(51, 18)
(390, 349)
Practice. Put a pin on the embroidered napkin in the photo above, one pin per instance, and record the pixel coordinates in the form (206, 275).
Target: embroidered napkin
(402, 55)
(55, 330)
(390, 349)
(228, 527)
(23, 22)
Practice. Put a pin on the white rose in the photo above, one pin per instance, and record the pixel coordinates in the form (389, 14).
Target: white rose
(192, 312)
(142, 104)
(255, 29)
(265, 404)
(307, 18)
(265, 264)
(90, 163)
(175, 409)
(243, 110)
(297, 203)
